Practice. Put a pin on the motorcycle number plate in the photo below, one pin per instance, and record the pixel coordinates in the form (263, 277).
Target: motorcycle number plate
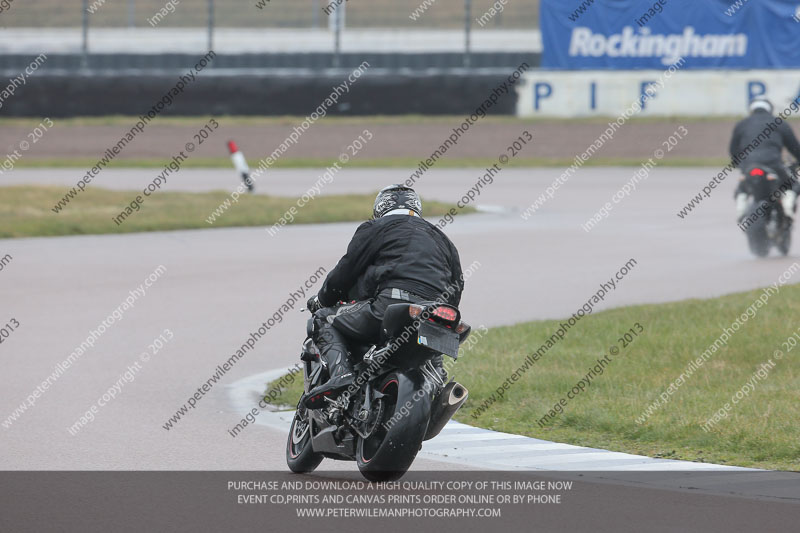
(438, 338)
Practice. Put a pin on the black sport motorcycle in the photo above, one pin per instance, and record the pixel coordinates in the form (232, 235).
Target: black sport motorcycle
(398, 400)
(764, 221)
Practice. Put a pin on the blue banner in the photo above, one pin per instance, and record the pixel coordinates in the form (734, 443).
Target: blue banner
(653, 34)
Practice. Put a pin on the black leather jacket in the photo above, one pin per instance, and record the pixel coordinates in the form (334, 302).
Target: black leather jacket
(768, 148)
(396, 251)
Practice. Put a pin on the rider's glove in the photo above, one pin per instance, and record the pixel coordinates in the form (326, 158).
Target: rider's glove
(313, 304)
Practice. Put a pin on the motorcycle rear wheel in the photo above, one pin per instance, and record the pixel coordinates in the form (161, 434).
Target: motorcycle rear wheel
(388, 453)
(759, 241)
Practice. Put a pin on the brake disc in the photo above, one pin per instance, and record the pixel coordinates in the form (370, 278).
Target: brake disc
(301, 427)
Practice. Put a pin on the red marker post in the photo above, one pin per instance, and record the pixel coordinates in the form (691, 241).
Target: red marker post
(240, 164)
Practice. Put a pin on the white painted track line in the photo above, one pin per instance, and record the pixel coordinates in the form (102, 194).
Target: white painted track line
(492, 450)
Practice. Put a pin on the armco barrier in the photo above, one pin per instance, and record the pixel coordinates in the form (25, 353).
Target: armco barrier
(256, 93)
(316, 61)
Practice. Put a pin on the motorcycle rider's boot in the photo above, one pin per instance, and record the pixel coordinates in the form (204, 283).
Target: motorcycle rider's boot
(332, 346)
(789, 204)
(342, 377)
(741, 206)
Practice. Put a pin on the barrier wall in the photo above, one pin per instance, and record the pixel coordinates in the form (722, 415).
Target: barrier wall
(316, 61)
(256, 93)
(545, 93)
(540, 93)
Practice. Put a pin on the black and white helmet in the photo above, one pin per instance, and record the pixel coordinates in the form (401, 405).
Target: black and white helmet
(760, 102)
(394, 197)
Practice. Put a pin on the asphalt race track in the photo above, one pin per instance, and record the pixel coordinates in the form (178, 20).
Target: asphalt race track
(221, 284)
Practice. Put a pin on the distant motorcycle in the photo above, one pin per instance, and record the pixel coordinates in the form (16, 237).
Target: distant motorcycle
(398, 400)
(764, 221)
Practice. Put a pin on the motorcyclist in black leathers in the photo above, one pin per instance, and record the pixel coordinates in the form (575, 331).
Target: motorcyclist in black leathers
(767, 152)
(395, 257)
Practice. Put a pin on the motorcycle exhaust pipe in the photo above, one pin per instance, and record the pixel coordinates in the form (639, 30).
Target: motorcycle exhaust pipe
(448, 402)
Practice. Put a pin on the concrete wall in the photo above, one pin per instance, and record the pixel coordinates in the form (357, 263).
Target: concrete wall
(544, 93)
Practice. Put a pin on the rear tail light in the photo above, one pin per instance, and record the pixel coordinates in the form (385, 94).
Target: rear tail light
(757, 172)
(446, 313)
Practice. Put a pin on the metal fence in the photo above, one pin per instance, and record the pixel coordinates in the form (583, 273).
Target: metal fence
(296, 28)
(434, 14)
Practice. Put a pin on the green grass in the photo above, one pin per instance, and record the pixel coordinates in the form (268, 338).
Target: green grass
(289, 394)
(762, 430)
(26, 211)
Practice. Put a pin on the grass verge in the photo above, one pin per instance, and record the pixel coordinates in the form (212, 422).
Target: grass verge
(27, 211)
(760, 430)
